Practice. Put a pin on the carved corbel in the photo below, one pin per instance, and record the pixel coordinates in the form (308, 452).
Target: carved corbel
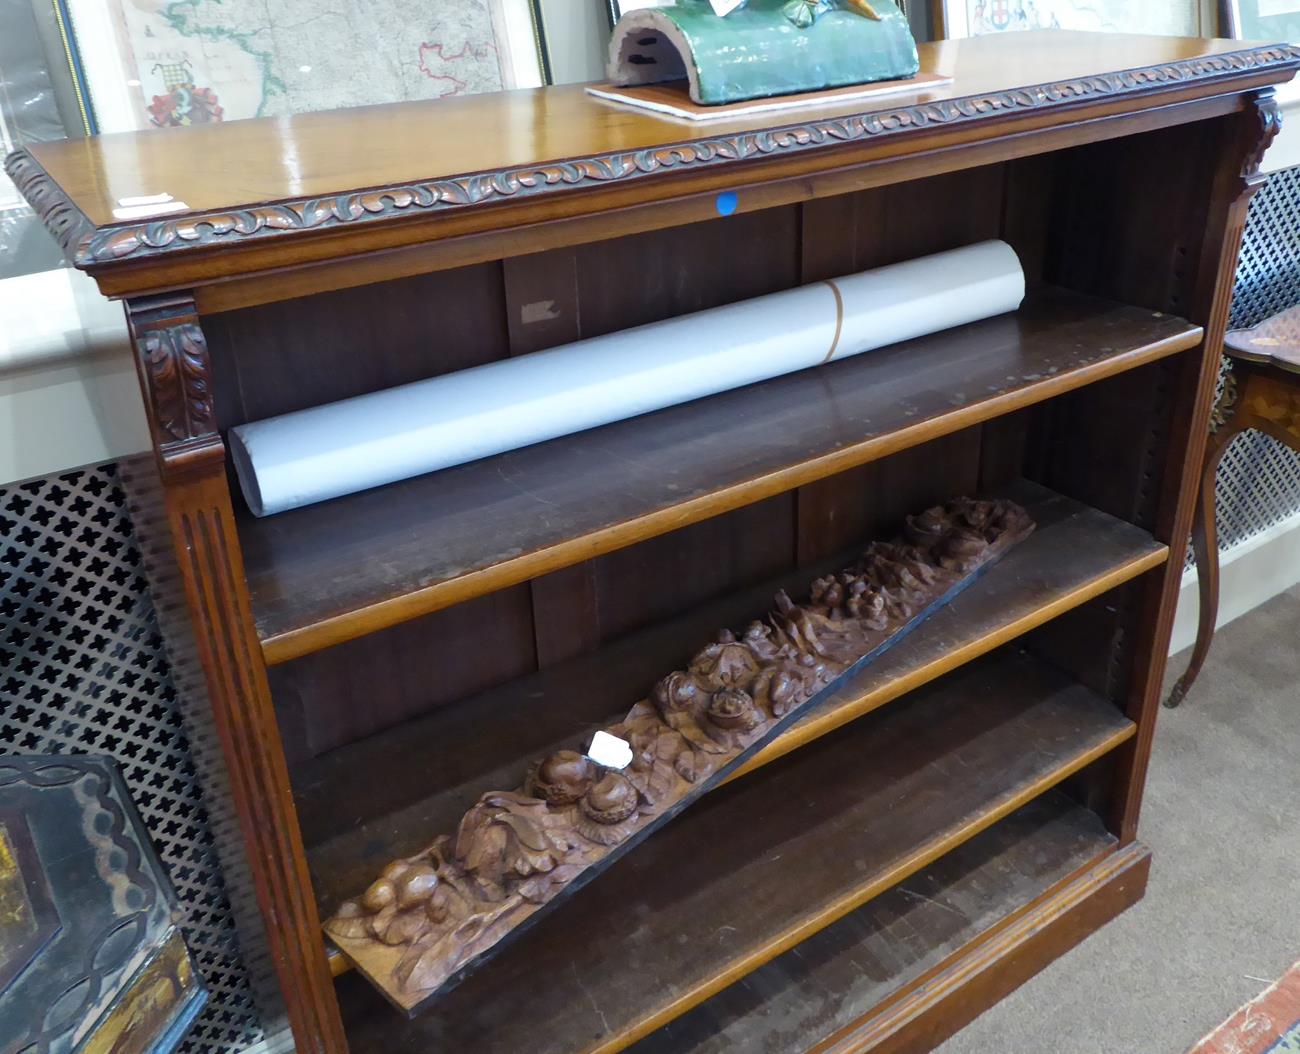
(1268, 123)
(175, 376)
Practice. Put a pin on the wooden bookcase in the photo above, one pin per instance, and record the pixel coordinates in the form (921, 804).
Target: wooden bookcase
(962, 811)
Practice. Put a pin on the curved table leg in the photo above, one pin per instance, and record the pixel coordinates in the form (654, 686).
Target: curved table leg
(1205, 544)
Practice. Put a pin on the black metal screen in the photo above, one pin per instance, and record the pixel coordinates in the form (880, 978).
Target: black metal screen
(82, 670)
(1259, 478)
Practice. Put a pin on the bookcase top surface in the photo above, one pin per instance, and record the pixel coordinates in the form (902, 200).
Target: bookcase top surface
(311, 175)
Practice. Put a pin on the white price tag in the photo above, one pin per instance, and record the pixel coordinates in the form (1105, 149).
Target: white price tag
(145, 199)
(610, 751)
(140, 212)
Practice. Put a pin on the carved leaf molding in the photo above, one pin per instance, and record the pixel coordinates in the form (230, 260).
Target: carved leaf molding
(89, 246)
(176, 362)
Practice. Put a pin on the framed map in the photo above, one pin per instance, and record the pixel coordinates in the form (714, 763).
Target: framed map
(1184, 18)
(1269, 20)
(176, 62)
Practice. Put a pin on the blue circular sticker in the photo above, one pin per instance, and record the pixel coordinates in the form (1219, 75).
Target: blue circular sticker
(726, 203)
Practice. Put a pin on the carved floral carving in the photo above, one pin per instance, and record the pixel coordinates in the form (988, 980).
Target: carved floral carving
(427, 917)
(88, 245)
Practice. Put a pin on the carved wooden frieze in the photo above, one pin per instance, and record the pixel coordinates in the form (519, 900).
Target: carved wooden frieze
(88, 245)
(428, 917)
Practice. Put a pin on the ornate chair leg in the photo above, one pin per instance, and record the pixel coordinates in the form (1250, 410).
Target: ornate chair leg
(1205, 545)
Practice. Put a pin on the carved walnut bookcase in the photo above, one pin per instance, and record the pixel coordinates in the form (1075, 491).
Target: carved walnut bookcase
(955, 815)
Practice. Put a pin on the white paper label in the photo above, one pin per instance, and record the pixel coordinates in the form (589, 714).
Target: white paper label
(725, 7)
(139, 212)
(145, 199)
(610, 751)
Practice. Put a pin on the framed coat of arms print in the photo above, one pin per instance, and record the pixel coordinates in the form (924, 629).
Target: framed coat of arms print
(972, 18)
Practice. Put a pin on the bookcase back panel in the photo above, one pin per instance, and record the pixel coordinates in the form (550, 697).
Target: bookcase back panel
(630, 588)
(286, 356)
(352, 690)
(356, 689)
(1080, 444)
(1129, 227)
(290, 355)
(870, 501)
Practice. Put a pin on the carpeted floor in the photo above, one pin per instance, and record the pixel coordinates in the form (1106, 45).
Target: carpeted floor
(1221, 918)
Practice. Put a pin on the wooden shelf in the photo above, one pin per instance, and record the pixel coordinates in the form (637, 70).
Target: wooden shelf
(763, 864)
(1075, 554)
(332, 572)
(898, 940)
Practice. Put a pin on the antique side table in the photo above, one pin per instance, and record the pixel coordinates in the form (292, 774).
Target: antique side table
(1262, 391)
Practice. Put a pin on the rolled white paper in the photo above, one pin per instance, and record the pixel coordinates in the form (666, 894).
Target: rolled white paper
(325, 452)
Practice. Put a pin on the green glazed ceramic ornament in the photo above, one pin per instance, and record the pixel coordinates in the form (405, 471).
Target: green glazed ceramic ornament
(764, 48)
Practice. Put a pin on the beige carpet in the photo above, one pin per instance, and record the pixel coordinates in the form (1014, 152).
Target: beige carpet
(1221, 918)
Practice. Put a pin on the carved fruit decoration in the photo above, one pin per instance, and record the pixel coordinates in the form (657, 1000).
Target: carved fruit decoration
(607, 811)
(734, 710)
(562, 778)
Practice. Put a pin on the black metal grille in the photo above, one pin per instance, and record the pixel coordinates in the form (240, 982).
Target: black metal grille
(1259, 478)
(82, 669)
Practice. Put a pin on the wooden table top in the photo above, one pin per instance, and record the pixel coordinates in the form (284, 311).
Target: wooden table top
(279, 177)
(1275, 341)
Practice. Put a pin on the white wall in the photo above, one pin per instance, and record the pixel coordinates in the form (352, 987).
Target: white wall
(68, 390)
